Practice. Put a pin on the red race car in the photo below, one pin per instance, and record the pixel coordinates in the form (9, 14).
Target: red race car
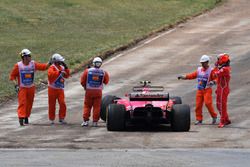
(146, 103)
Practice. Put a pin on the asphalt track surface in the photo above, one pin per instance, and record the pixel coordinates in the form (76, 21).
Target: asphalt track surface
(130, 157)
(159, 59)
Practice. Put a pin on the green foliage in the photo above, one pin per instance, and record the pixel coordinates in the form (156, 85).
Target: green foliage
(80, 29)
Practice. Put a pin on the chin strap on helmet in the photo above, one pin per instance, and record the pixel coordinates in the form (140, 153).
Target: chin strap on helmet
(97, 62)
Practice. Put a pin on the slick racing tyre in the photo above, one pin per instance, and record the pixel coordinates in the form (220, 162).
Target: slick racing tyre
(176, 99)
(180, 118)
(116, 117)
(106, 100)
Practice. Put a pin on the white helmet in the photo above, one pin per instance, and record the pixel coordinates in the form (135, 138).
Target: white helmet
(97, 62)
(57, 58)
(204, 58)
(25, 52)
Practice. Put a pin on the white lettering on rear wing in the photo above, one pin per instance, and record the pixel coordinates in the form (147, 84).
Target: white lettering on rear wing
(148, 96)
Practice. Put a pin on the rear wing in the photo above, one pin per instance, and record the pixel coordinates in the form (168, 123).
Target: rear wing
(150, 96)
(148, 88)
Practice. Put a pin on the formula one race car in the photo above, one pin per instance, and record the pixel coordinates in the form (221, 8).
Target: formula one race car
(146, 103)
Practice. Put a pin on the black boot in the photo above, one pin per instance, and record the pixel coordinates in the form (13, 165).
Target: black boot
(26, 120)
(21, 121)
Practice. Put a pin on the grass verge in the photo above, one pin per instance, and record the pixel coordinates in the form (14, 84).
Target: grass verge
(80, 29)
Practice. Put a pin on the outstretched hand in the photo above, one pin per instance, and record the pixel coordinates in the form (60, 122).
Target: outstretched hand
(181, 77)
(50, 62)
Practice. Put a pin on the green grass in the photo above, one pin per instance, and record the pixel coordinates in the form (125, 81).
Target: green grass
(80, 29)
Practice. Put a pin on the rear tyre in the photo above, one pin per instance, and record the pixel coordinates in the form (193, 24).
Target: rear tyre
(116, 117)
(180, 118)
(106, 100)
(176, 99)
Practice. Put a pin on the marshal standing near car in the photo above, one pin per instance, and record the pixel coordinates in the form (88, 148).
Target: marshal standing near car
(92, 80)
(222, 72)
(204, 90)
(23, 77)
(57, 73)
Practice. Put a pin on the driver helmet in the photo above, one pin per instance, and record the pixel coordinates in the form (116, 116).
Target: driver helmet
(223, 58)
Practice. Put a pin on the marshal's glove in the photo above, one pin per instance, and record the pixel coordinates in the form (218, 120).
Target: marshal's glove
(17, 88)
(216, 64)
(181, 77)
(211, 83)
(64, 65)
(63, 73)
(50, 62)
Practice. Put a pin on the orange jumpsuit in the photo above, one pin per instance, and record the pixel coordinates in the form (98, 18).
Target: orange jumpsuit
(204, 92)
(56, 90)
(92, 80)
(26, 83)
